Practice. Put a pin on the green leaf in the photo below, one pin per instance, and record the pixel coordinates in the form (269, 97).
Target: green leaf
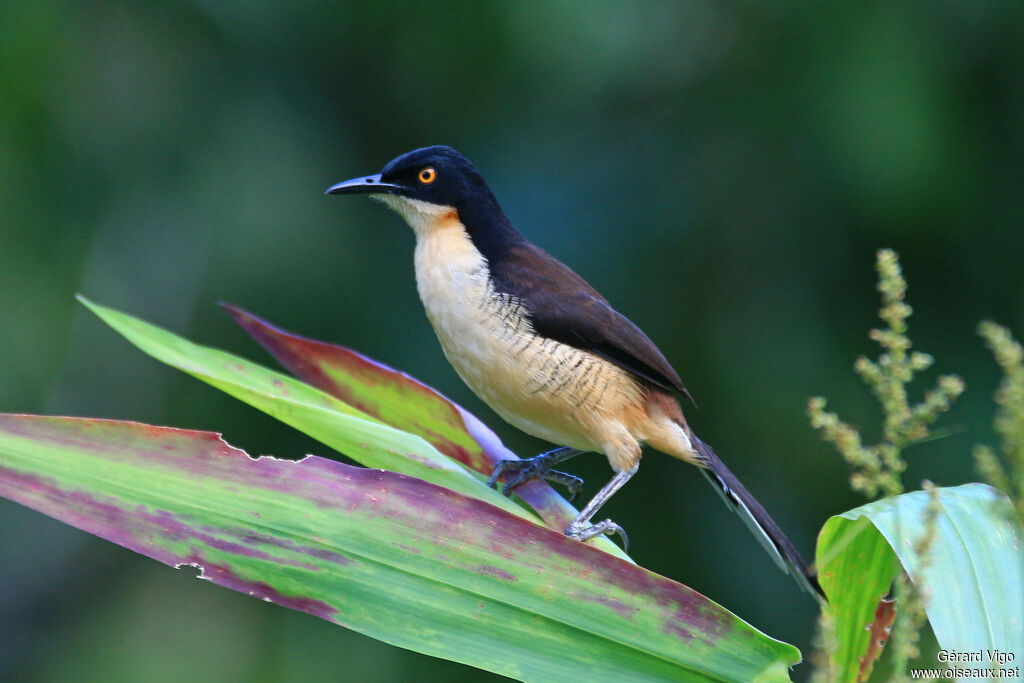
(348, 430)
(405, 403)
(392, 556)
(974, 572)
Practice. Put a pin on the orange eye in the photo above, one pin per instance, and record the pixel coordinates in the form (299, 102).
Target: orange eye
(428, 175)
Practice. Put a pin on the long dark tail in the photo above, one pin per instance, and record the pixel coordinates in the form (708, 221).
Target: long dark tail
(757, 520)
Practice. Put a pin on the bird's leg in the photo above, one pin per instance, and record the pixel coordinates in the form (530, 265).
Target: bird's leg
(537, 467)
(579, 528)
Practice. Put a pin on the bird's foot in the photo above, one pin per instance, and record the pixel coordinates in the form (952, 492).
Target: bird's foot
(607, 527)
(518, 472)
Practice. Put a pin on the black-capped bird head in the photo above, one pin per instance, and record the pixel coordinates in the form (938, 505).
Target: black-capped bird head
(428, 184)
(436, 175)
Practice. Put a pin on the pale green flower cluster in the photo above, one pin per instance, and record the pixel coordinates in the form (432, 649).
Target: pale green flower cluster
(1007, 474)
(877, 469)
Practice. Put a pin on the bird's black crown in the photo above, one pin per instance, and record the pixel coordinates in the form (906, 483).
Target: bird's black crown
(439, 175)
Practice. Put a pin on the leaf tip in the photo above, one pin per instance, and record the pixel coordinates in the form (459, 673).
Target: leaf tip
(234, 311)
(246, 320)
(100, 311)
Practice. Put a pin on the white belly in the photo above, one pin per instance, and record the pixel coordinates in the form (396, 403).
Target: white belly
(548, 389)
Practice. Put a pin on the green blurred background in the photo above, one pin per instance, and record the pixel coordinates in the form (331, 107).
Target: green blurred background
(722, 172)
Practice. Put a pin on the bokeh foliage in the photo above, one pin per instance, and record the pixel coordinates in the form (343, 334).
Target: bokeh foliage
(723, 173)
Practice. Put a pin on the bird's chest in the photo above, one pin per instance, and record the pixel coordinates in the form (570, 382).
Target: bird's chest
(531, 381)
(484, 334)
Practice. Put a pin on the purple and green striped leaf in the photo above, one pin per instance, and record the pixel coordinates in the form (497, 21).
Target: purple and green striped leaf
(403, 402)
(398, 558)
(391, 396)
(348, 430)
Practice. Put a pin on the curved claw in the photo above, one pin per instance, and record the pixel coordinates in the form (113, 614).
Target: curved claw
(607, 527)
(520, 477)
(569, 481)
(492, 481)
(522, 471)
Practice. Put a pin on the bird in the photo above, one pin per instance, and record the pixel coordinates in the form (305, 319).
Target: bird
(543, 349)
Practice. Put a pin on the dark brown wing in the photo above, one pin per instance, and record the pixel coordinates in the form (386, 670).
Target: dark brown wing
(564, 307)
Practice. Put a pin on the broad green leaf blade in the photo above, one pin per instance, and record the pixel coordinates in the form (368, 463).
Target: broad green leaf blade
(395, 557)
(405, 403)
(365, 439)
(974, 572)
